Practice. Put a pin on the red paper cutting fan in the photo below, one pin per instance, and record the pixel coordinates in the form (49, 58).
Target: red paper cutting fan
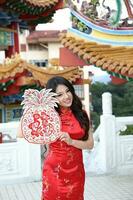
(40, 122)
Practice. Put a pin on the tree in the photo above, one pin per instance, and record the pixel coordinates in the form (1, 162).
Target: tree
(122, 99)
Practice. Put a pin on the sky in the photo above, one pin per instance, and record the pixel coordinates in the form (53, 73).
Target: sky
(61, 21)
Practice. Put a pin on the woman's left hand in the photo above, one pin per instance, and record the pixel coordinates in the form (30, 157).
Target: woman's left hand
(66, 138)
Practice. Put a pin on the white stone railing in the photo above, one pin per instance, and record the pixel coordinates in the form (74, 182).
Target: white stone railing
(121, 122)
(112, 153)
(91, 157)
(20, 161)
(124, 147)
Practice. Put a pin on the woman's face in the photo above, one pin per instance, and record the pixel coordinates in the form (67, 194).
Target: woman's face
(64, 96)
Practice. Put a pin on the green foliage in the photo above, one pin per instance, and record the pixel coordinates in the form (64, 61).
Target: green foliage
(95, 119)
(122, 99)
(128, 131)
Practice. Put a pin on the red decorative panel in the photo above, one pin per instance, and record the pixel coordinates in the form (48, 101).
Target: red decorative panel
(68, 59)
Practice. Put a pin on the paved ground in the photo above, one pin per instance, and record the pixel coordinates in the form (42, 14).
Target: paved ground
(109, 188)
(96, 188)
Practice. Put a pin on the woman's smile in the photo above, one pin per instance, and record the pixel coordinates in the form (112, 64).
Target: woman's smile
(64, 96)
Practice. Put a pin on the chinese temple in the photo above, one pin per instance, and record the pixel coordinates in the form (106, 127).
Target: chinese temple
(25, 14)
(101, 36)
(15, 16)
(16, 75)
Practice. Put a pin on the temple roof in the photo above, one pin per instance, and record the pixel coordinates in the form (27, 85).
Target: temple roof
(117, 60)
(42, 3)
(46, 35)
(16, 65)
(16, 75)
(28, 12)
(105, 14)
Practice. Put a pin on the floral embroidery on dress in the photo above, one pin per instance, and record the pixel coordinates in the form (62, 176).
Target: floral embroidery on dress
(58, 198)
(64, 167)
(70, 190)
(56, 170)
(45, 185)
(70, 156)
(66, 180)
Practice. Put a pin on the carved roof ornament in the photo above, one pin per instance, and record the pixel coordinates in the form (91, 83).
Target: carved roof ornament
(28, 13)
(104, 13)
(15, 65)
(101, 36)
(42, 2)
(117, 60)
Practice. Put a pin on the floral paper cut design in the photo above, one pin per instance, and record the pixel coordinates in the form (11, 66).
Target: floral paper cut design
(40, 122)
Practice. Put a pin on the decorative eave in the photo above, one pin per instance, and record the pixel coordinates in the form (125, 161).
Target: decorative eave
(39, 5)
(44, 74)
(42, 3)
(16, 65)
(117, 60)
(87, 11)
(28, 12)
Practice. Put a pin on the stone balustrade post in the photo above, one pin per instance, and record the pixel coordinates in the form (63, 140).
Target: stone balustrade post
(107, 136)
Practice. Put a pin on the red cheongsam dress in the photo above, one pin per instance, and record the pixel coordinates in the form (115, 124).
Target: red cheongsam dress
(63, 171)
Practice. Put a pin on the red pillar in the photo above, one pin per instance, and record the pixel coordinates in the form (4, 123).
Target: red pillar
(15, 48)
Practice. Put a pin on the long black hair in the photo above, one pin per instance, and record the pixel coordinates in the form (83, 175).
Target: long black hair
(76, 106)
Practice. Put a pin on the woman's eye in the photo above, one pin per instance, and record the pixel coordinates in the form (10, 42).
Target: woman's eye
(68, 91)
(58, 95)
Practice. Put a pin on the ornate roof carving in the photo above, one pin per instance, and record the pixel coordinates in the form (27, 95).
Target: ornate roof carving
(42, 3)
(16, 65)
(28, 13)
(114, 59)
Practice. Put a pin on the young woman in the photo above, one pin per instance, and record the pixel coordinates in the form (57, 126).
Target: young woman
(63, 170)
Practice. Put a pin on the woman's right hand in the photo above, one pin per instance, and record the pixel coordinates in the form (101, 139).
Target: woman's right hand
(65, 137)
